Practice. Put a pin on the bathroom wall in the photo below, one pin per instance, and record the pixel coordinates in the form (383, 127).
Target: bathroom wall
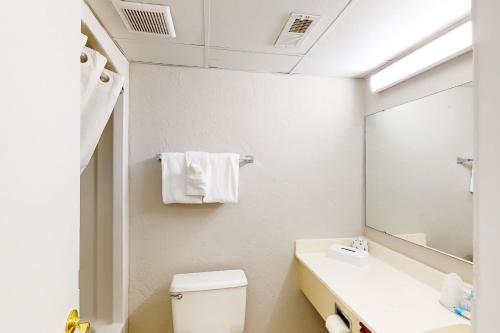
(449, 74)
(307, 182)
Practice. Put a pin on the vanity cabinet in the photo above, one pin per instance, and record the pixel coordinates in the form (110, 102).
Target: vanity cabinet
(324, 301)
(390, 294)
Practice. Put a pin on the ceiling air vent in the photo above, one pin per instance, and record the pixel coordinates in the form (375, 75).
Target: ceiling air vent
(145, 18)
(296, 29)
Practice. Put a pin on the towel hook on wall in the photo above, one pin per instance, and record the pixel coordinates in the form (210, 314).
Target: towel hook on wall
(466, 162)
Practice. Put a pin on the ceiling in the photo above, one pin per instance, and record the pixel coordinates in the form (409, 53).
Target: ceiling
(351, 39)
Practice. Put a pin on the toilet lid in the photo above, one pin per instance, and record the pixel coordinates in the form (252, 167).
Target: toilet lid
(208, 281)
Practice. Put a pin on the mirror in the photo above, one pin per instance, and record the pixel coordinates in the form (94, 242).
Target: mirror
(419, 171)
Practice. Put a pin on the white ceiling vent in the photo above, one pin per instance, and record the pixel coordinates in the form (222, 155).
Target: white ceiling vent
(296, 30)
(145, 18)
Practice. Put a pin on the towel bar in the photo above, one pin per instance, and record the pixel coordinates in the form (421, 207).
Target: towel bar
(244, 158)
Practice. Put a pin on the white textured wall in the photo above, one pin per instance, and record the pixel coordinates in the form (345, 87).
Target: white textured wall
(413, 182)
(307, 137)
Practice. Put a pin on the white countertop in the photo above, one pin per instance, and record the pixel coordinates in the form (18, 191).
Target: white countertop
(386, 299)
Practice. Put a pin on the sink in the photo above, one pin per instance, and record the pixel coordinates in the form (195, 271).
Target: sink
(463, 328)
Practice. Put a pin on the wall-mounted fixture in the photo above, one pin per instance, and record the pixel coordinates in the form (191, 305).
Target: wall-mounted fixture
(145, 18)
(441, 49)
(243, 159)
(466, 162)
(296, 30)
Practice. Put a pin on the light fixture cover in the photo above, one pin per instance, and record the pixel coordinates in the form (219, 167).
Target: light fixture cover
(441, 49)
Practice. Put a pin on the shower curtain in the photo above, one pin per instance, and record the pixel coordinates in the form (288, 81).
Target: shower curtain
(99, 91)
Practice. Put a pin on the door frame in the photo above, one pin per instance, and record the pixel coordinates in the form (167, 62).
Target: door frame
(101, 41)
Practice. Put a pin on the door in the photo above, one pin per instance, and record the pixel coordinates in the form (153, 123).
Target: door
(39, 164)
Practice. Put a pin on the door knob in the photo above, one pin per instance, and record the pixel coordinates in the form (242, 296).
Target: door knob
(73, 322)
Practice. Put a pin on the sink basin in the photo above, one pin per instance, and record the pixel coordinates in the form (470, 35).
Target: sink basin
(452, 329)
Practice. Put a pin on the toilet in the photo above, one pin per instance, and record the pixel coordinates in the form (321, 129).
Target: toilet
(209, 302)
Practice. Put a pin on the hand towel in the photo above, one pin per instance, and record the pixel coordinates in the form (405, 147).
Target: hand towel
(196, 173)
(223, 178)
(173, 166)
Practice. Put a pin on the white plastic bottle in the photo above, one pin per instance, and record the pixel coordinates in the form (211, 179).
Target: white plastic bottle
(452, 291)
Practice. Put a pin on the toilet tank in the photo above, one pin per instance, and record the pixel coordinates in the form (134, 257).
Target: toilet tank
(209, 302)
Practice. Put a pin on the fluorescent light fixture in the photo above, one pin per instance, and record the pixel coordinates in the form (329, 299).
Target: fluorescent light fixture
(446, 47)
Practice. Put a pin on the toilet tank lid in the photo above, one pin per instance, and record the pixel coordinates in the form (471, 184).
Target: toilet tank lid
(208, 281)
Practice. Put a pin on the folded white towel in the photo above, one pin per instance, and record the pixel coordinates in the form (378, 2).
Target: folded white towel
(224, 178)
(173, 166)
(196, 173)
(334, 324)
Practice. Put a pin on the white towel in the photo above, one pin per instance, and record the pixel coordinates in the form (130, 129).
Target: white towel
(197, 173)
(173, 166)
(334, 324)
(223, 178)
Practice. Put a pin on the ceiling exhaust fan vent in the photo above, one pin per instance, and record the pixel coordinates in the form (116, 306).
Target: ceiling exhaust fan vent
(296, 29)
(300, 26)
(145, 18)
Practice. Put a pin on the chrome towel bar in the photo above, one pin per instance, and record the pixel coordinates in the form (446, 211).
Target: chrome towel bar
(244, 158)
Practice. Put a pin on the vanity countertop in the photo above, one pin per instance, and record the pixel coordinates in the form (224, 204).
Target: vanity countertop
(385, 297)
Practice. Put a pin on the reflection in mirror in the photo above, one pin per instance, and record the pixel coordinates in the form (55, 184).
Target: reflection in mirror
(419, 171)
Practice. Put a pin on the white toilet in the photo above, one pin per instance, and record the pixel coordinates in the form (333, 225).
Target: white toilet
(209, 302)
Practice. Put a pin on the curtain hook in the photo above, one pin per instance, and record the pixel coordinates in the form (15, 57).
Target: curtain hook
(83, 57)
(104, 78)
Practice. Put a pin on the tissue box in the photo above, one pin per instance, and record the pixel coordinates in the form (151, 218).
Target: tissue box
(348, 254)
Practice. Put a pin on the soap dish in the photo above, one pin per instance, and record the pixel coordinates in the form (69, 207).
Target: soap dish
(348, 254)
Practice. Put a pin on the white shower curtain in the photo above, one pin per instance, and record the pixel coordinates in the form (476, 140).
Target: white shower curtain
(99, 91)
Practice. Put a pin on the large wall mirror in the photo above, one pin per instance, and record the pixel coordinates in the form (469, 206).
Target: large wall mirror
(419, 171)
